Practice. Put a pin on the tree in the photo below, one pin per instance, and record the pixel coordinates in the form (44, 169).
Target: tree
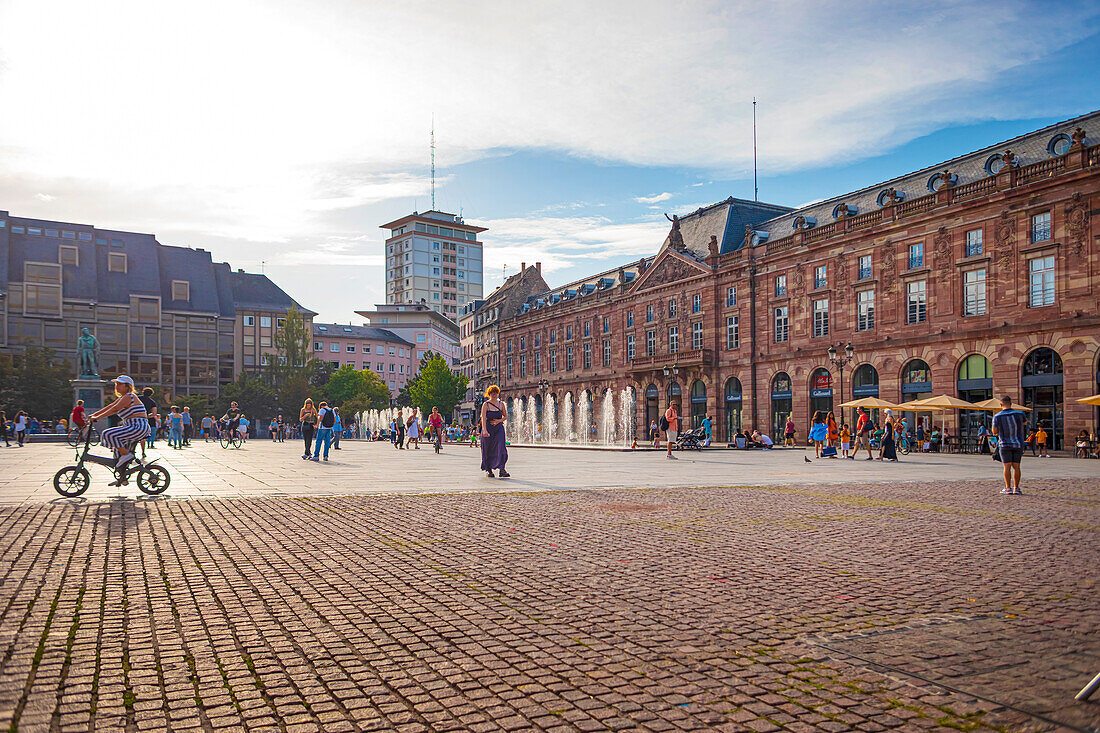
(36, 380)
(437, 386)
(199, 404)
(296, 373)
(365, 387)
(252, 393)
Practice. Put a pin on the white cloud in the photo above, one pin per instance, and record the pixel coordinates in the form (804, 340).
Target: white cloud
(44, 197)
(654, 199)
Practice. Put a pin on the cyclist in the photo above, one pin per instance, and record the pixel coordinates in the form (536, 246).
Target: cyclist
(77, 418)
(232, 417)
(435, 425)
(134, 425)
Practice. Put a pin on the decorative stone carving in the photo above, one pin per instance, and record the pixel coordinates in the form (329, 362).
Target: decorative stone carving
(841, 270)
(843, 211)
(712, 246)
(891, 197)
(1009, 159)
(1077, 223)
(798, 282)
(1004, 236)
(800, 223)
(947, 178)
(941, 241)
(669, 270)
(889, 275)
(1078, 136)
(675, 238)
(749, 232)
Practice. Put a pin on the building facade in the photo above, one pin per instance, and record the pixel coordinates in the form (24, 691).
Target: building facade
(433, 258)
(170, 317)
(382, 351)
(261, 307)
(974, 277)
(425, 328)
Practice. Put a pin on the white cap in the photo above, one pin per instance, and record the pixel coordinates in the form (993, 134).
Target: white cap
(124, 379)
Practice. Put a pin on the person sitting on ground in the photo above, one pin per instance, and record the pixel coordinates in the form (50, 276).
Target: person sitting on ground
(1081, 446)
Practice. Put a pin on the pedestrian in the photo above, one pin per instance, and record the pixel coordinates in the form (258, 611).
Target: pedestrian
(819, 432)
(20, 428)
(188, 427)
(889, 447)
(326, 418)
(308, 417)
(845, 441)
(706, 430)
(863, 434)
(494, 443)
(1041, 441)
(1030, 441)
(273, 430)
(655, 434)
(833, 432)
(670, 422)
(337, 429)
(1008, 427)
(788, 432)
(242, 427)
(983, 438)
(283, 427)
(4, 429)
(207, 427)
(475, 435)
(412, 428)
(175, 428)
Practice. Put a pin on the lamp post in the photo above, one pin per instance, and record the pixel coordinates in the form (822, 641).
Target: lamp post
(841, 361)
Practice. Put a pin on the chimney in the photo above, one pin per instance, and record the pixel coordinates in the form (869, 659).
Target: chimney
(522, 266)
(538, 267)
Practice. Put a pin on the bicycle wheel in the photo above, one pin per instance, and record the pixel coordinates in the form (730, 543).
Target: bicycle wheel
(74, 437)
(72, 481)
(236, 440)
(903, 447)
(224, 440)
(153, 479)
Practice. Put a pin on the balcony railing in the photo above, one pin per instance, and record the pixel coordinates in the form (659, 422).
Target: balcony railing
(695, 357)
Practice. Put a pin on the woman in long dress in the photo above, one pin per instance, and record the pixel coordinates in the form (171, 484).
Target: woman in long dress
(888, 451)
(494, 451)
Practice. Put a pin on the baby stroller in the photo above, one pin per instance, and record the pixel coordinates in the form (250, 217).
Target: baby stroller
(692, 439)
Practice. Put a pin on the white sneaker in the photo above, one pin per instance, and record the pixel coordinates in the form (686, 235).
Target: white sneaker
(123, 459)
(1006, 491)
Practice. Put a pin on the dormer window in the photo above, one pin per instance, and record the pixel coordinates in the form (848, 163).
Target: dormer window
(1059, 145)
(181, 290)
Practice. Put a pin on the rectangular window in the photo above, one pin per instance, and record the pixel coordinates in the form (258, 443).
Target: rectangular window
(538, 340)
(569, 358)
(606, 324)
(649, 314)
(696, 303)
(568, 333)
(974, 293)
(781, 325)
(554, 336)
(587, 329)
(865, 310)
(630, 319)
(350, 349)
(974, 243)
(538, 363)
(508, 362)
(630, 347)
(780, 286)
(280, 322)
(508, 347)
(607, 352)
(821, 317)
(1040, 227)
(916, 255)
(522, 365)
(84, 236)
(116, 262)
(522, 343)
(650, 343)
(864, 267)
(334, 347)
(820, 277)
(1040, 281)
(68, 255)
(553, 360)
(181, 290)
(42, 299)
(673, 340)
(672, 308)
(733, 338)
(731, 297)
(318, 345)
(696, 336)
(42, 272)
(249, 320)
(588, 356)
(916, 302)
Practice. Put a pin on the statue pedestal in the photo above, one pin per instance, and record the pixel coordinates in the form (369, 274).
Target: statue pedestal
(91, 390)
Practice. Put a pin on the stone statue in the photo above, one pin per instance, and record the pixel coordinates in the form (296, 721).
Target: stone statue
(87, 355)
(675, 239)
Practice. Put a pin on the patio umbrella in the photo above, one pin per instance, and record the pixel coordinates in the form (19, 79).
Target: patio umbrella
(947, 402)
(871, 403)
(1094, 400)
(916, 406)
(993, 404)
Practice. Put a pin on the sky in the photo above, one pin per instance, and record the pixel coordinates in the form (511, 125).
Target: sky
(280, 134)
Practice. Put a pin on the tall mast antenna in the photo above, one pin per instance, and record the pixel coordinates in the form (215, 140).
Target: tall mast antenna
(755, 188)
(433, 162)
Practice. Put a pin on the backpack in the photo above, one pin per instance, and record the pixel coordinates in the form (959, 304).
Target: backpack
(329, 418)
(664, 423)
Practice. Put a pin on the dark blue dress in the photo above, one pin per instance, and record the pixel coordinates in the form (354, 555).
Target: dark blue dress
(494, 453)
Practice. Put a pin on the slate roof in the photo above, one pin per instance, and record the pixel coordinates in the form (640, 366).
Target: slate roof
(150, 269)
(344, 330)
(725, 220)
(1029, 148)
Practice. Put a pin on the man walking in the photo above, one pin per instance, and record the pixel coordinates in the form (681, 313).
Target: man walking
(187, 426)
(672, 428)
(326, 418)
(1008, 426)
(863, 434)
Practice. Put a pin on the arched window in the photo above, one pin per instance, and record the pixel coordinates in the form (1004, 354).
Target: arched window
(1041, 384)
(975, 366)
(916, 378)
(652, 405)
(674, 392)
(1059, 144)
(782, 401)
(975, 383)
(865, 381)
(821, 391)
(698, 403)
(733, 408)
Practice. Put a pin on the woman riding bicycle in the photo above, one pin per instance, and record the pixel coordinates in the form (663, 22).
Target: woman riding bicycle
(135, 421)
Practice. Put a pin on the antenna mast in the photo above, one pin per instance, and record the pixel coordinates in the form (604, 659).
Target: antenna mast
(433, 162)
(755, 188)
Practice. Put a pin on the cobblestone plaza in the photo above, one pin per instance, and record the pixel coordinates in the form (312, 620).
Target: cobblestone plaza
(594, 591)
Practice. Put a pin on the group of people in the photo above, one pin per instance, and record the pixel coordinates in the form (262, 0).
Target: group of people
(833, 439)
(21, 425)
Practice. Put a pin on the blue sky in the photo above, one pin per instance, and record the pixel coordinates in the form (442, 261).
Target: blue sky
(568, 130)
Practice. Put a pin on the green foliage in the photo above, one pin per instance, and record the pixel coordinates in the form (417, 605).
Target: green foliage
(36, 380)
(199, 404)
(403, 399)
(254, 395)
(364, 387)
(437, 386)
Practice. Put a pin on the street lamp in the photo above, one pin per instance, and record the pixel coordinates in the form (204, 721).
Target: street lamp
(840, 362)
(544, 385)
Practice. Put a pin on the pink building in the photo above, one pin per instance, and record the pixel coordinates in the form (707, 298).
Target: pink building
(364, 347)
